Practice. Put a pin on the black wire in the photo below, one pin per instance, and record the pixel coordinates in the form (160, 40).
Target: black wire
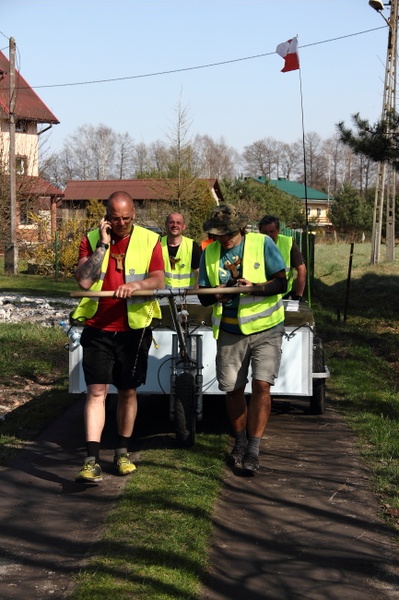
(206, 66)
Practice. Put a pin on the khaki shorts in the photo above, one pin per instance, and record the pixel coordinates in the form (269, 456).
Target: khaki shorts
(236, 352)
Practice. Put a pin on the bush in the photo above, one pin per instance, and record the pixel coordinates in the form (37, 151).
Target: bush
(57, 254)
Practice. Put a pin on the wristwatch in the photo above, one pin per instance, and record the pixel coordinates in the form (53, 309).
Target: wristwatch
(101, 244)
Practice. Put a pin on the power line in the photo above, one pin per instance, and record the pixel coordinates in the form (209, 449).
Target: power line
(195, 68)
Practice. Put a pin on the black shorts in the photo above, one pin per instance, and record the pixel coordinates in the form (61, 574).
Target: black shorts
(117, 358)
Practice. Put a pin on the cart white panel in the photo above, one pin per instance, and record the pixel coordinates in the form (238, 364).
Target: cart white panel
(294, 379)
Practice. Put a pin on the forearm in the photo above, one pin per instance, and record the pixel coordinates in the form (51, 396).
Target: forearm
(89, 269)
(300, 280)
(275, 286)
(154, 281)
(207, 299)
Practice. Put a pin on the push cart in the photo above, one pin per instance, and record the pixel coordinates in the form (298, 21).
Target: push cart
(182, 359)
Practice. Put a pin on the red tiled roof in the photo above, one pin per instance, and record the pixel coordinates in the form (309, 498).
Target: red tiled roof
(28, 104)
(139, 189)
(37, 186)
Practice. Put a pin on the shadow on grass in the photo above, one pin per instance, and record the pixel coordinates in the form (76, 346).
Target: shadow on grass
(370, 296)
(23, 424)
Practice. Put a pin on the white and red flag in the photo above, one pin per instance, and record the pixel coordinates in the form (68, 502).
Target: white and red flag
(289, 51)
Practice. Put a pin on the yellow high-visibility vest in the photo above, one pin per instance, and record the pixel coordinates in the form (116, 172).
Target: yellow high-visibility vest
(140, 309)
(181, 275)
(255, 313)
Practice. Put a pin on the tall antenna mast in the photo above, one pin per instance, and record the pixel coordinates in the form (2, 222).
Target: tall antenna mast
(385, 170)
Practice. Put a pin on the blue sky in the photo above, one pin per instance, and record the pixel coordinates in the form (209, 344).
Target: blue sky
(62, 42)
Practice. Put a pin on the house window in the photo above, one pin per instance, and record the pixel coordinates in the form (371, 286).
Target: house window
(25, 208)
(21, 126)
(20, 165)
(319, 213)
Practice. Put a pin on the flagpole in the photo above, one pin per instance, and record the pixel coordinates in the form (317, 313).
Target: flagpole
(289, 52)
(305, 182)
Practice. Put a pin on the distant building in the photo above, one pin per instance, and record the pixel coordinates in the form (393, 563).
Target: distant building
(318, 203)
(32, 118)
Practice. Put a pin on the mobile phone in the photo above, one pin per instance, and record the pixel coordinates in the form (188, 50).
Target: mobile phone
(106, 218)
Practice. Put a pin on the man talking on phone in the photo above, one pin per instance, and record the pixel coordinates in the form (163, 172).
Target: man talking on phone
(122, 257)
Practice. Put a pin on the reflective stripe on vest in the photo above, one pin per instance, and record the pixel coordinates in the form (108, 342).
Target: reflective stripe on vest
(181, 275)
(140, 309)
(255, 313)
(284, 244)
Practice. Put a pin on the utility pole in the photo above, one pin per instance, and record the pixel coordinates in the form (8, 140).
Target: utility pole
(386, 176)
(11, 251)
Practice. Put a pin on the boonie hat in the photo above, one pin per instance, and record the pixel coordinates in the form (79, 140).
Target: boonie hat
(224, 220)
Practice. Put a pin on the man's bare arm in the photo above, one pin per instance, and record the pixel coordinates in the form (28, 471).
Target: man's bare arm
(89, 268)
(154, 281)
(300, 280)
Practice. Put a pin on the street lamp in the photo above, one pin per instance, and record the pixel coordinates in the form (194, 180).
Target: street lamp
(377, 5)
(388, 108)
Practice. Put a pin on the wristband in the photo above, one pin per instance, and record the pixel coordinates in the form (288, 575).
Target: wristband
(101, 244)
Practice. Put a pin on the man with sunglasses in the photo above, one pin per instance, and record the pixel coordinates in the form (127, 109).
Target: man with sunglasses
(248, 328)
(121, 257)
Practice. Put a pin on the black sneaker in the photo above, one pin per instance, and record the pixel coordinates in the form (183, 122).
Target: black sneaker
(236, 456)
(251, 462)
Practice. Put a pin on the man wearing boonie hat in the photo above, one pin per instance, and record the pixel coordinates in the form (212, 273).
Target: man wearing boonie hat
(248, 328)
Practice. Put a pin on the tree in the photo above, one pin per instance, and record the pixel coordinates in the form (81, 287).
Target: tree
(380, 141)
(260, 158)
(215, 159)
(92, 153)
(198, 207)
(255, 200)
(181, 166)
(350, 213)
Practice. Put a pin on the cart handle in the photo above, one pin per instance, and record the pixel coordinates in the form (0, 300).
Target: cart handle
(249, 289)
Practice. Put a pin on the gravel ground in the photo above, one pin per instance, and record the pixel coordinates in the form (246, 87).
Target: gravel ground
(17, 308)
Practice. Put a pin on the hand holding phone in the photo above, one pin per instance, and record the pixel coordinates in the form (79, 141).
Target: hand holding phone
(108, 220)
(105, 229)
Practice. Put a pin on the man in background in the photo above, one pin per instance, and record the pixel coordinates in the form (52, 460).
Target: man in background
(293, 258)
(181, 254)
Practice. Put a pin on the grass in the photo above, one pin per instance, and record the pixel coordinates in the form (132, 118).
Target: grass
(35, 284)
(31, 356)
(363, 355)
(155, 545)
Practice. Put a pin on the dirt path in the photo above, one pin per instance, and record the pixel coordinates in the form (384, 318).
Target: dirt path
(307, 527)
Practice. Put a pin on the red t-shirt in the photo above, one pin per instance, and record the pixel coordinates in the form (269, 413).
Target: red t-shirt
(111, 314)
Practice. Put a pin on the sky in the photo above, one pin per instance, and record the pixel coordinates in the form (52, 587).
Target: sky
(127, 64)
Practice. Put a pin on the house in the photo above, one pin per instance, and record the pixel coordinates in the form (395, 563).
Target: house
(32, 118)
(151, 196)
(318, 203)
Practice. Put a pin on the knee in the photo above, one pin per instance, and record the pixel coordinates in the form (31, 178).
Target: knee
(261, 387)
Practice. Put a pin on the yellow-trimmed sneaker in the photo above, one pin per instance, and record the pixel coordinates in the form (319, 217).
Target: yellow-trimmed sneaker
(123, 464)
(90, 472)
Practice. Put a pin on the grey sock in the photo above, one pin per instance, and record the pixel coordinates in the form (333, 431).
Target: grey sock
(253, 445)
(240, 438)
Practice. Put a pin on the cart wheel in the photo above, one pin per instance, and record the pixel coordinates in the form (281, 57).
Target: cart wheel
(318, 400)
(185, 410)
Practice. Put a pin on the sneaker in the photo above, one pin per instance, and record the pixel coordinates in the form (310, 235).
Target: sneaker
(251, 462)
(236, 456)
(90, 472)
(123, 464)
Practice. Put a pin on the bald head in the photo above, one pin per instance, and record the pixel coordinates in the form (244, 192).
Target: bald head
(121, 213)
(118, 199)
